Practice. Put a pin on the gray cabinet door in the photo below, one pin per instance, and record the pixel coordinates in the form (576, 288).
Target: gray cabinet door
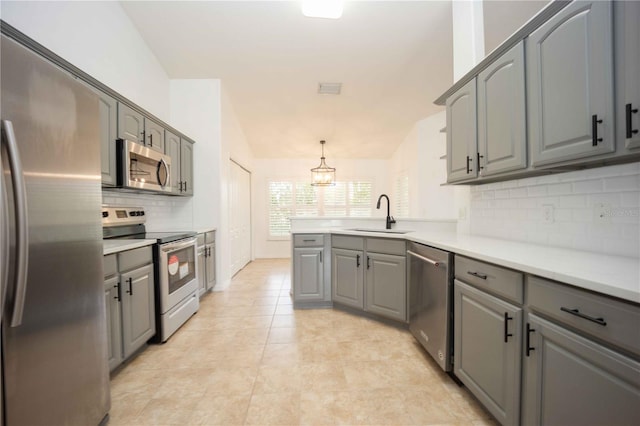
(502, 131)
(386, 286)
(138, 312)
(461, 134)
(570, 84)
(108, 109)
(487, 350)
(202, 270)
(210, 266)
(186, 167)
(172, 149)
(628, 73)
(308, 278)
(114, 325)
(570, 380)
(130, 124)
(347, 277)
(154, 135)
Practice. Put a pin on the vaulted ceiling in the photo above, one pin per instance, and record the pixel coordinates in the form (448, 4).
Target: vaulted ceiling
(393, 59)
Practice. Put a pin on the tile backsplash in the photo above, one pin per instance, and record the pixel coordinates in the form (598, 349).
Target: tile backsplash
(164, 213)
(596, 210)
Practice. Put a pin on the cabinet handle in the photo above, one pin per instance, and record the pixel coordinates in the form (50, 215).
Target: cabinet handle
(479, 157)
(357, 261)
(151, 139)
(594, 130)
(130, 280)
(478, 274)
(368, 262)
(528, 343)
(185, 186)
(468, 160)
(320, 257)
(180, 186)
(507, 318)
(309, 241)
(119, 296)
(630, 130)
(577, 313)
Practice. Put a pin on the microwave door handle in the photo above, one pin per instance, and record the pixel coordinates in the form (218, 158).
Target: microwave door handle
(163, 164)
(22, 225)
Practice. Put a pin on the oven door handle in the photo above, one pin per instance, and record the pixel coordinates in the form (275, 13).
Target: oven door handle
(169, 247)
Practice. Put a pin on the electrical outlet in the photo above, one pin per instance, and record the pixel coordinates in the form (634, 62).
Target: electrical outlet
(547, 213)
(602, 213)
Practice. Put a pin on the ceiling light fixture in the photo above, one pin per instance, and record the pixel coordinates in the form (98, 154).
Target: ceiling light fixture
(331, 9)
(323, 175)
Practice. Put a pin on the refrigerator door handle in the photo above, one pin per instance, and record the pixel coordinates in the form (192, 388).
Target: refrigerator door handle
(4, 269)
(22, 226)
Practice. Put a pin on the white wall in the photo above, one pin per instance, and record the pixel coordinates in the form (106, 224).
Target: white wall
(98, 38)
(266, 169)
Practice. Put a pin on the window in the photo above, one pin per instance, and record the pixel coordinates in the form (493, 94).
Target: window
(298, 198)
(402, 196)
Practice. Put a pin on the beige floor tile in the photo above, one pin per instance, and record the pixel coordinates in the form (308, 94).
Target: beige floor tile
(274, 409)
(284, 335)
(277, 379)
(322, 376)
(216, 409)
(284, 321)
(284, 309)
(221, 381)
(283, 354)
(169, 411)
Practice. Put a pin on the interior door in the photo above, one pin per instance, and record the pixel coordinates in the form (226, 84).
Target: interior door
(239, 216)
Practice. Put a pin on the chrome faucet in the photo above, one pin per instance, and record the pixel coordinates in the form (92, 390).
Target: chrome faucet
(390, 219)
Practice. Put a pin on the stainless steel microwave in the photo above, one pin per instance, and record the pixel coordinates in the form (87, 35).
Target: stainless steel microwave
(142, 168)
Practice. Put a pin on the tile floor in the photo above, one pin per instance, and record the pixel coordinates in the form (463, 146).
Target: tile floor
(248, 358)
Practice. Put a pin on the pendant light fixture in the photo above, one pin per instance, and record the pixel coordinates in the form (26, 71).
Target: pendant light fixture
(323, 175)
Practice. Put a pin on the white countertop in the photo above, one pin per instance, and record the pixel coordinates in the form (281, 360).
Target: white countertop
(115, 246)
(203, 230)
(616, 276)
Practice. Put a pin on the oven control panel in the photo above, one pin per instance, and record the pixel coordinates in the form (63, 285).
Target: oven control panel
(120, 215)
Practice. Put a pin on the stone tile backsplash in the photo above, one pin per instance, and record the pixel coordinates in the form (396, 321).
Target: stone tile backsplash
(595, 210)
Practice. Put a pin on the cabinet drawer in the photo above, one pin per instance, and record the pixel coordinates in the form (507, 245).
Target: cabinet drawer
(308, 240)
(494, 279)
(200, 239)
(387, 246)
(610, 320)
(349, 243)
(210, 237)
(134, 258)
(110, 265)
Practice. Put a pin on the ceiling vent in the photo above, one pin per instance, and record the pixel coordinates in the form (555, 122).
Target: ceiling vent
(329, 88)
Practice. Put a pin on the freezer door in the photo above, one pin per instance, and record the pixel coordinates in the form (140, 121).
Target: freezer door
(55, 362)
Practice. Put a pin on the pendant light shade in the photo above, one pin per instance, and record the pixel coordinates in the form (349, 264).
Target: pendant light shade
(323, 175)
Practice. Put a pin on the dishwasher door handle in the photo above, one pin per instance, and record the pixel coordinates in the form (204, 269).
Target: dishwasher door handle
(436, 263)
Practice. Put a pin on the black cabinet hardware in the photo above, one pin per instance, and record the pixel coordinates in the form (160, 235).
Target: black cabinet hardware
(594, 130)
(357, 261)
(577, 313)
(185, 186)
(180, 186)
(130, 280)
(478, 274)
(308, 241)
(528, 343)
(368, 262)
(469, 160)
(479, 157)
(151, 139)
(119, 296)
(507, 318)
(320, 257)
(629, 111)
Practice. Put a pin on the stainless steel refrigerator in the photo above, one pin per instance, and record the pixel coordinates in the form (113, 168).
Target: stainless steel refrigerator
(54, 366)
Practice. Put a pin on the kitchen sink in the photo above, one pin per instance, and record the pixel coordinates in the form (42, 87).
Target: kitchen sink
(384, 231)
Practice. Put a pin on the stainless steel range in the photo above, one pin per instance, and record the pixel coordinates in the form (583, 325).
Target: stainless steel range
(175, 265)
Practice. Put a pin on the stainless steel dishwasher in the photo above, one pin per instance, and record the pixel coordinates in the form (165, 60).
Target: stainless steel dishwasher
(430, 288)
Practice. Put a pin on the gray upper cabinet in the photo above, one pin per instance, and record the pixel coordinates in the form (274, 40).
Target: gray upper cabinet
(570, 85)
(347, 277)
(461, 134)
(154, 135)
(172, 149)
(386, 288)
(308, 273)
(186, 167)
(502, 140)
(108, 134)
(487, 348)
(130, 124)
(138, 315)
(627, 14)
(571, 380)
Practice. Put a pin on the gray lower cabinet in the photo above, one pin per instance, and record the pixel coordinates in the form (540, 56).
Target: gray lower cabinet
(206, 254)
(347, 277)
(210, 265)
(487, 350)
(570, 85)
(108, 110)
(627, 14)
(138, 315)
(309, 273)
(386, 286)
(129, 298)
(202, 271)
(114, 322)
(461, 134)
(572, 380)
(502, 131)
(130, 124)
